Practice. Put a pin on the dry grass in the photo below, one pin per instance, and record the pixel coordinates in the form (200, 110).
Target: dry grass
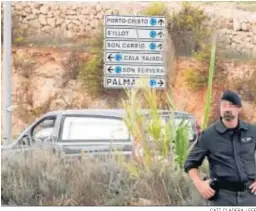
(42, 178)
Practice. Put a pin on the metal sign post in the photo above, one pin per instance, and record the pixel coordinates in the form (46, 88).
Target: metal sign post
(7, 77)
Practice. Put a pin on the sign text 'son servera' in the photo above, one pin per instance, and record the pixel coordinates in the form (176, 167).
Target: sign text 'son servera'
(128, 33)
(134, 70)
(152, 46)
(132, 82)
(135, 58)
(112, 20)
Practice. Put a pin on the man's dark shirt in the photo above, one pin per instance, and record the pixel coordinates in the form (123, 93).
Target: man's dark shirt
(230, 152)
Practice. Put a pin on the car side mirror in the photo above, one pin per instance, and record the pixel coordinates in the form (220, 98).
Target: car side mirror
(25, 141)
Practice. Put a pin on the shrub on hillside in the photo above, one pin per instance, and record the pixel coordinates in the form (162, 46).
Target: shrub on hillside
(156, 9)
(91, 72)
(189, 35)
(196, 79)
(189, 21)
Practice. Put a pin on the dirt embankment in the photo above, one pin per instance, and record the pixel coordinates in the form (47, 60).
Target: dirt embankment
(43, 81)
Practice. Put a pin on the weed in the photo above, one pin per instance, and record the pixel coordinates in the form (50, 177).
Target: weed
(156, 9)
(71, 67)
(24, 65)
(196, 79)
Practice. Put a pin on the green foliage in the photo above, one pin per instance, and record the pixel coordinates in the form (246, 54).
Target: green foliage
(18, 34)
(190, 18)
(181, 145)
(162, 142)
(91, 72)
(204, 55)
(156, 9)
(195, 79)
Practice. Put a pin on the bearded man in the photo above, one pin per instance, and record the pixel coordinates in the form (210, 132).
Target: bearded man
(229, 145)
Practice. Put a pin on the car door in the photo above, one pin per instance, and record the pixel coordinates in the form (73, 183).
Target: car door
(42, 131)
(93, 135)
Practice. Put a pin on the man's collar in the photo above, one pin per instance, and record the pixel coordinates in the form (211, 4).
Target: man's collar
(222, 129)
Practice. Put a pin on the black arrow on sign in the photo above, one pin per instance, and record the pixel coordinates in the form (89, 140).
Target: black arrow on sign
(110, 57)
(110, 69)
(160, 46)
(161, 83)
(160, 34)
(161, 22)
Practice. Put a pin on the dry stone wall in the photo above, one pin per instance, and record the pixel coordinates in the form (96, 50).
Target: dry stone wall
(237, 29)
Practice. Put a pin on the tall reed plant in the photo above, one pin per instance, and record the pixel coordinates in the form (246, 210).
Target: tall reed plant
(210, 82)
(163, 141)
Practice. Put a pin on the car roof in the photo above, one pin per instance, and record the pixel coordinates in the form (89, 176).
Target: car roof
(109, 112)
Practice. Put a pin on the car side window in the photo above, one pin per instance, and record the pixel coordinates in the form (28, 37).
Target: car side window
(93, 128)
(44, 129)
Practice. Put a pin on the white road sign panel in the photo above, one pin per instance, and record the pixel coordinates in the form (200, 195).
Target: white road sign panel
(130, 82)
(140, 21)
(113, 57)
(134, 70)
(123, 33)
(133, 45)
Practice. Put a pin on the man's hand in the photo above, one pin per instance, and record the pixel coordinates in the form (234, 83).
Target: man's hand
(253, 187)
(204, 189)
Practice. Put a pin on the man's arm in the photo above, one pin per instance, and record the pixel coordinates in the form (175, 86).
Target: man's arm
(253, 185)
(197, 154)
(194, 160)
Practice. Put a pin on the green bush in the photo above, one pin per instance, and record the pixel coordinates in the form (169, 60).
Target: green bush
(189, 34)
(91, 71)
(18, 34)
(191, 18)
(204, 55)
(156, 9)
(195, 79)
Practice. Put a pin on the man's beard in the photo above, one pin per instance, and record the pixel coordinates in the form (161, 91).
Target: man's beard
(228, 116)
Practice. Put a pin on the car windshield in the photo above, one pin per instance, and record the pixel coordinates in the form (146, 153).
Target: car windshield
(94, 128)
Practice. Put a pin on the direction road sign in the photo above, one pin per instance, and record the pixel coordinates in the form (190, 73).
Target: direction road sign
(134, 45)
(134, 70)
(139, 21)
(130, 82)
(128, 33)
(113, 57)
(133, 48)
